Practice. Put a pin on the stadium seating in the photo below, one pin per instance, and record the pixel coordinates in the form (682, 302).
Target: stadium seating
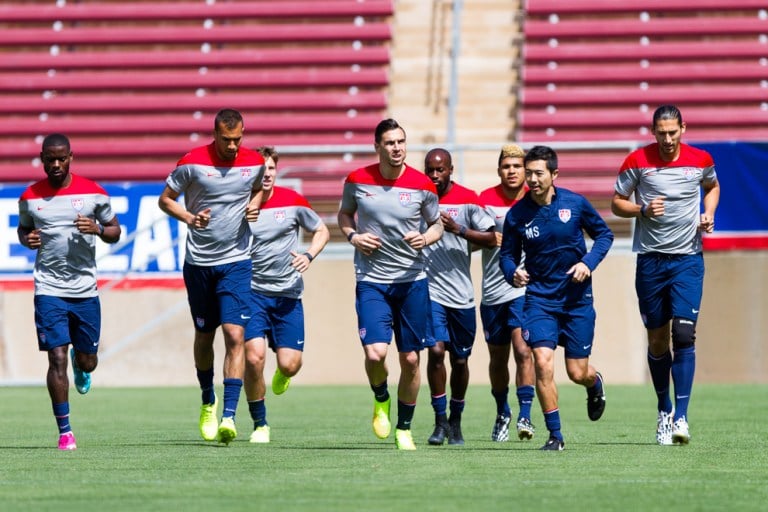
(135, 84)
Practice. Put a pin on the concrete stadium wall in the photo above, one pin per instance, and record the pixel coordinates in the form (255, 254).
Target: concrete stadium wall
(147, 334)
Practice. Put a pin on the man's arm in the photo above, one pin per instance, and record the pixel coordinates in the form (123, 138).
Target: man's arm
(168, 203)
(711, 200)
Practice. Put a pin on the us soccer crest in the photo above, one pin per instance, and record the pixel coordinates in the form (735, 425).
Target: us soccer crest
(564, 214)
(689, 173)
(453, 212)
(200, 322)
(404, 197)
(245, 173)
(362, 332)
(279, 216)
(78, 204)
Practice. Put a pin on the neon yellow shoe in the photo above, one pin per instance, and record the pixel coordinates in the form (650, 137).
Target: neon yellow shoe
(208, 424)
(227, 430)
(260, 435)
(280, 382)
(381, 425)
(404, 440)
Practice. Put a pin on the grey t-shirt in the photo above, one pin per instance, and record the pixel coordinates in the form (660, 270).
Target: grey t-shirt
(646, 175)
(275, 235)
(225, 187)
(65, 265)
(389, 209)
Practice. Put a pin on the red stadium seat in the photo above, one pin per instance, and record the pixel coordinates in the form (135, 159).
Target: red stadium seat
(636, 6)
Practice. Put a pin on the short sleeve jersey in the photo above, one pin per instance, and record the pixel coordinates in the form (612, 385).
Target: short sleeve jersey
(275, 235)
(552, 237)
(224, 187)
(389, 209)
(449, 259)
(496, 289)
(646, 175)
(65, 265)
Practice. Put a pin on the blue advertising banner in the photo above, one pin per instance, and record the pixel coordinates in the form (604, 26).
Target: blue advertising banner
(149, 244)
(742, 216)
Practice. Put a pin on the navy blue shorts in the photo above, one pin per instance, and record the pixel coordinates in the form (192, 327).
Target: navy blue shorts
(278, 319)
(60, 321)
(453, 326)
(401, 309)
(499, 320)
(219, 294)
(669, 286)
(571, 327)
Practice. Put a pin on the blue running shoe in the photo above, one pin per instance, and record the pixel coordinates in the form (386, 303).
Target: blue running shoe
(82, 379)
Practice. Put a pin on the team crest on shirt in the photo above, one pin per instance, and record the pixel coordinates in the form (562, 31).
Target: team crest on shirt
(405, 198)
(526, 334)
(689, 173)
(78, 204)
(564, 214)
(453, 212)
(279, 216)
(245, 173)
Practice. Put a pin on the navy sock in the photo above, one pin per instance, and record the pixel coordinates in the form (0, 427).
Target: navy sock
(405, 415)
(61, 413)
(440, 404)
(552, 420)
(205, 378)
(258, 411)
(683, 367)
(502, 402)
(232, 388)
(380, 392)
(660, 367)
(456, 407)
(525, 396)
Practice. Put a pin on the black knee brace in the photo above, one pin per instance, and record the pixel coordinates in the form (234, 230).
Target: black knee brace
(683, 333)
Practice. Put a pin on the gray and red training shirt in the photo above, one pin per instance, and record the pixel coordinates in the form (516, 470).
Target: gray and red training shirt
(646, 175)
(275, 235)
(65, 265)
(224, 186)
(389, 209)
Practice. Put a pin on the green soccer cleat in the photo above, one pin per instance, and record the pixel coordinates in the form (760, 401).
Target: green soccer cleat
(227, 431)
(209, 427)
(82, 379)
(280, 382)
(381, 425)
(260, 435)
(404, 440)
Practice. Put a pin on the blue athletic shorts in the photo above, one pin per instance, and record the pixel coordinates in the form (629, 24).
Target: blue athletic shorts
(571, 327)
(499, 320)
(279, 319)
(669, 286)
(219, 294)
(60, 321)
(453, 326)
(401, 309)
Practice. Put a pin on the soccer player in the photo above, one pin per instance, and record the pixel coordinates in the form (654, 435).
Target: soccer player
(381, 211)
(61, 217)
(501, 308)
(666, 178)
(549, 225)
(453, 324)
(276, 289)
(221, 183)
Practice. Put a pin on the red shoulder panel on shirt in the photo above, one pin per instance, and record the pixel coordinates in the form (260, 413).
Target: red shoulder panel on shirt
(282, 197)
(411, 178)
(206, 155)
(79, 186)
(495, 196)
(460, 195)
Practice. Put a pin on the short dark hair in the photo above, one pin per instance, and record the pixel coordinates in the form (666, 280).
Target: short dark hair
(545, 153)
(56, 139)
(269, 152)
(229, 117)
(667, 112)
(385, 126)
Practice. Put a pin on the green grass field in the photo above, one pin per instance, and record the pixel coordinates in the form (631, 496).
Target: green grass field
(139, 449)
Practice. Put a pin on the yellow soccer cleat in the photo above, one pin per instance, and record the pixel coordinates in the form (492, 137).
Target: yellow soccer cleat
(209, 427)
(404, 440)
(260, 435)
(227, 430)
(280, 382)
(381, 425)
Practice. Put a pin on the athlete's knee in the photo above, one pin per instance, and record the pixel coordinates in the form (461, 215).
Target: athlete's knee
(683, 333)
